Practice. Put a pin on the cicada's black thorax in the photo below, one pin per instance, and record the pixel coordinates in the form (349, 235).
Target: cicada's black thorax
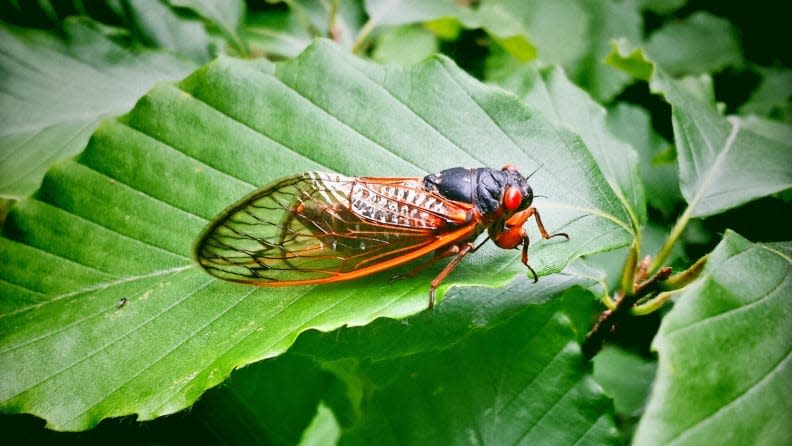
(482, 187)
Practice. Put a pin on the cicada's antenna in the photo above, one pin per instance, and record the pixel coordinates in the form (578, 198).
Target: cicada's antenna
(535, 170)
(540, 196)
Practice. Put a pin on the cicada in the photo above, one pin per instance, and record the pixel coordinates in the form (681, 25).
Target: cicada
(317, 227)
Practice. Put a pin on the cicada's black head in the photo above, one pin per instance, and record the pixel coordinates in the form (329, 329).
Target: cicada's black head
(489, 189)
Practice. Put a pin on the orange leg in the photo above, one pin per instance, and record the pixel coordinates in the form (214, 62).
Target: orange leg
(438, 255)
(513, 235)
(461, 252)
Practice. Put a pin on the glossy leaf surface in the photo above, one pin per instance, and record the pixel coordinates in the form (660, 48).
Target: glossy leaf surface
(119, 221)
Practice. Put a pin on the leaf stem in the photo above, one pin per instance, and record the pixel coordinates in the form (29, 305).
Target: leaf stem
(669, 243)
(628, 272)
(363, 35)
(653, 304)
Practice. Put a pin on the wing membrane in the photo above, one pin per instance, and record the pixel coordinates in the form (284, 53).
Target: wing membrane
(319, 227)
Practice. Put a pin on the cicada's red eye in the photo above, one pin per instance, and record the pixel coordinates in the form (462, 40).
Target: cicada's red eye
(512, 198)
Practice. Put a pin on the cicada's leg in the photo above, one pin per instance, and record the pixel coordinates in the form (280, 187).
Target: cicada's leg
(513, 235)
(542, 230)
(438, 255)
(461, 251)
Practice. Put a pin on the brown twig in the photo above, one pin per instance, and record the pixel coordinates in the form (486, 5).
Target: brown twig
(610, 319)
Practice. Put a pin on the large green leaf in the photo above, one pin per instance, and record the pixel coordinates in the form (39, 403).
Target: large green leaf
(724, 372)
(55, 91)
(522, 382)
(118, 223)
(259, 398)
(721, 164)
(465, 311)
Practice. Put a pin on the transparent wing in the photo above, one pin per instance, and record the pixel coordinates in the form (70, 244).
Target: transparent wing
(319, 227)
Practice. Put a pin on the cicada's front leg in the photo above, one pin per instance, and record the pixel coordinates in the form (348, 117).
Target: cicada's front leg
(513, 234)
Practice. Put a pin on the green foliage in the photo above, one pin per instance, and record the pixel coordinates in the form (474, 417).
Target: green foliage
(717, 372)
(54, 97)
(654, 143)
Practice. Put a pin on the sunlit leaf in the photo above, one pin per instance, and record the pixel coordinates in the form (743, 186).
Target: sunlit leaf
(119, 221)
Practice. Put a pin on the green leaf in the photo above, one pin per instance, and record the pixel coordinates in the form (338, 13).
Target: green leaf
(316, 17)
(404, 45)
(772, 98)
(550, 90)
(659, 176)
(119, 221)
(271, 402)
(521, 382)
(276, 33)
(349, 353)
(465, 310)
(721, 164)
(625, 376)
(505, 29)
(661, 6)
(608, 20)
(698, 44)
(724, 371)
(323, 429)
(226, 15)
(55, 91)
(557, 28)
(404, 12)
(774, 130)
(575, 35)
(157, 25)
